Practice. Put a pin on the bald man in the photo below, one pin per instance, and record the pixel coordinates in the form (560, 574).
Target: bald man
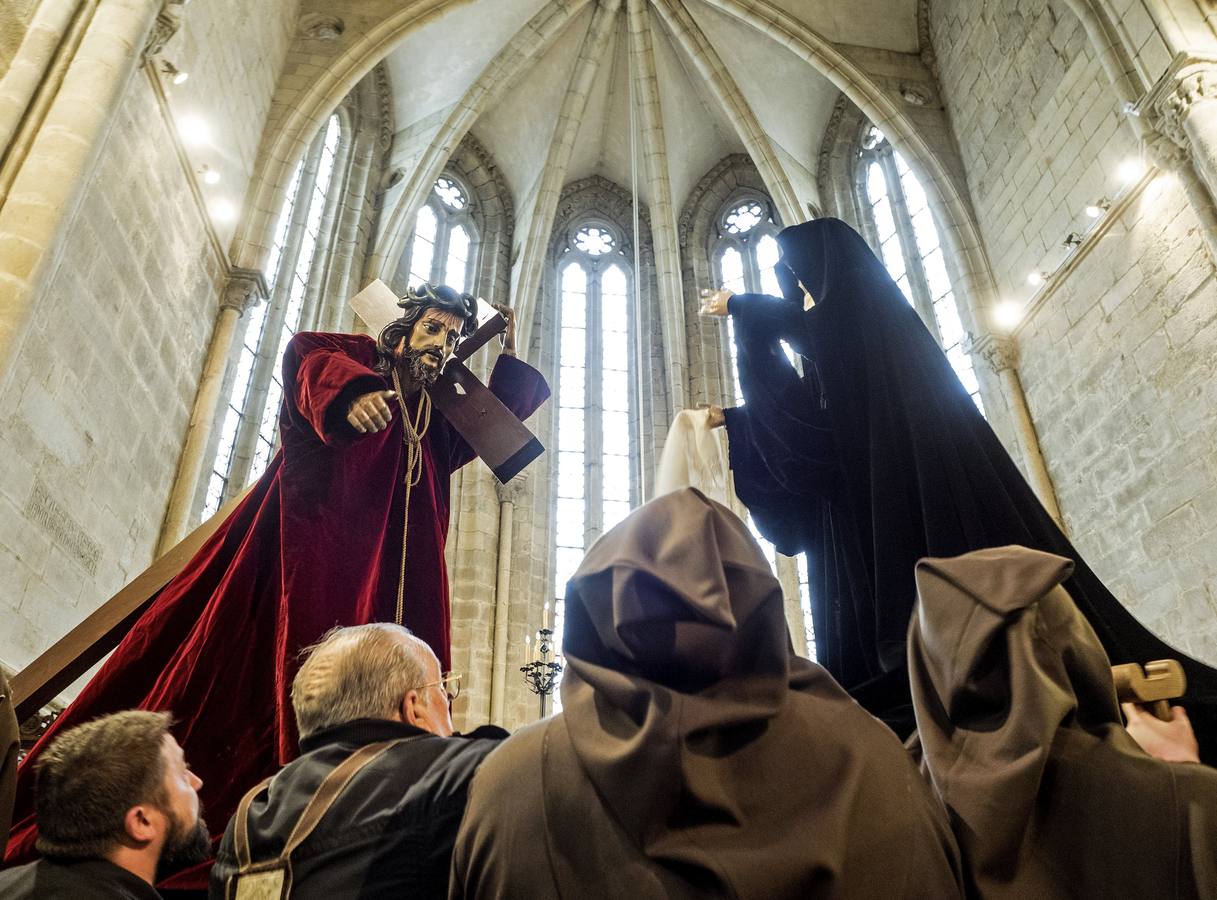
(373, 711)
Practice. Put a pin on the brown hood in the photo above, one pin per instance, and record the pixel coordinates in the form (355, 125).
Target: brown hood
(719, 753)
(1022, 737)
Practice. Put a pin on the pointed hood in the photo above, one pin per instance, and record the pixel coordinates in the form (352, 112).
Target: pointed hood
(1022, 737)
(714, 749)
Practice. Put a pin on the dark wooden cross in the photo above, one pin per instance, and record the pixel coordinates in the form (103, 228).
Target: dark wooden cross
(502, 441)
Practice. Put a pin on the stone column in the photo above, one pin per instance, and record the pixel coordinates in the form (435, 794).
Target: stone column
(39, 66)
(50, 180)
(245, 289)
(508, 493)
(1000, 354)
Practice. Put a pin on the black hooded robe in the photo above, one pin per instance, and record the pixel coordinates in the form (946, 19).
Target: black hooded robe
(878, 458)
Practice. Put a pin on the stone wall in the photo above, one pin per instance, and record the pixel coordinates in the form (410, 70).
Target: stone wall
(1117, 361)
(92, 425)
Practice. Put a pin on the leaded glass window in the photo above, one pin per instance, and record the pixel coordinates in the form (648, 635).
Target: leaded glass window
(901, 224)
(441, 248)
(743, 256)
(249, 421)
(597, 439)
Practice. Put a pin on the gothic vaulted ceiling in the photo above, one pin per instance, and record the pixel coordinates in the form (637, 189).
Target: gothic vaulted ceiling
(547, 83)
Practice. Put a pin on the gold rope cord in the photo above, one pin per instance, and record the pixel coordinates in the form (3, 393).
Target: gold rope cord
(412, 437)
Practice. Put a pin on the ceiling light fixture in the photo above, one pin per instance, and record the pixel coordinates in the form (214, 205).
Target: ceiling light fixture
(210, 175)
(1035, 279)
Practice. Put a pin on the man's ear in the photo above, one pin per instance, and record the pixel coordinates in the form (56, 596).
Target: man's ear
(411, 709)
(140, 824)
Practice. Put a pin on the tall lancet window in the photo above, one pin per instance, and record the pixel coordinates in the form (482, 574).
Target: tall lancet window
(440, 250)
(597, 456)
(249, 428)
(901, 225)
(744, 252)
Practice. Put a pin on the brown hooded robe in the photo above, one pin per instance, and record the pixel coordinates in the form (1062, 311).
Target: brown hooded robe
(695, 756)
(1022, 737)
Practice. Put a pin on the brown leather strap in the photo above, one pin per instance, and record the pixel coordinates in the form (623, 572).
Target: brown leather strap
(331, 788)
(241, 821)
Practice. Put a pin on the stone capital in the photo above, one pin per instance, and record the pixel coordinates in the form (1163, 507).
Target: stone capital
(1187, 82)
(245, 289)
(999, 352)
(511, 491)
(168, 21)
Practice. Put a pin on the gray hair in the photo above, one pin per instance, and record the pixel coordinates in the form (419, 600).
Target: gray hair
(360, 672)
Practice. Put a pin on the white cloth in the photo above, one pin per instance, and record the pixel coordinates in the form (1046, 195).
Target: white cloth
(695, 455)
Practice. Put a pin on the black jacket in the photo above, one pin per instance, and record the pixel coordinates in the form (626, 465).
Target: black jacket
(389, 834)
(87, 879)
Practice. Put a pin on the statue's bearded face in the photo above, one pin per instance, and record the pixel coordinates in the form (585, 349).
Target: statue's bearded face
(430, 345)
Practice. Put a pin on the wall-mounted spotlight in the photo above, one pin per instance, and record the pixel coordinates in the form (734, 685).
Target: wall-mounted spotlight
(1130, 170)
(1035, 279)
(210, 175)
(223, 211)
(176, 75)
(1007, 314)
(1072, 240)
(1095, 210)
(194, 130)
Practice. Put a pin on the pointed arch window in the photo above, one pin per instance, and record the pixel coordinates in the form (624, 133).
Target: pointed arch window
(901, 225)
(597, 439)
(249, 424)
(744, 252)
(441, 249)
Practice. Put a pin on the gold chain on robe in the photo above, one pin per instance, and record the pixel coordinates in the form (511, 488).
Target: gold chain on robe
(412, 437)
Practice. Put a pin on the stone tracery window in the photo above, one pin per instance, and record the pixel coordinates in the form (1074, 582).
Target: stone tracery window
(900, 223)
(249, 423)
(743, 255)
(441, 249)
(597, 463)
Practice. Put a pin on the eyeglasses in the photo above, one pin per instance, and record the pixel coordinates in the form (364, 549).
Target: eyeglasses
(450, 682)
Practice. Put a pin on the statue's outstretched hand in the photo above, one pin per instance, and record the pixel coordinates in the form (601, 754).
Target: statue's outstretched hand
(714, 303)
(371, 412)
(715, 417)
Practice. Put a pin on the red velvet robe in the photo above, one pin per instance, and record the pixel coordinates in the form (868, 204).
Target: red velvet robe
(317, 543)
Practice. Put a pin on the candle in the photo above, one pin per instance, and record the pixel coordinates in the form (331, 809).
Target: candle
(545, 615)
(527, 649)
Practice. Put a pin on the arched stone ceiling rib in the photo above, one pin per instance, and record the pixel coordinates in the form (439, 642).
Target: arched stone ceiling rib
(528, 43)
(710, 66)
(540, 208)
(663, 212)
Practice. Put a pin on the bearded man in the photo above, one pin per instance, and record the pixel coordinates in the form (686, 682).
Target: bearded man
(117, 803)
(347, 526)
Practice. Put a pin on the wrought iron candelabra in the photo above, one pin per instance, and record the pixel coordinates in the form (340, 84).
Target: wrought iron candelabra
(541, 674)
